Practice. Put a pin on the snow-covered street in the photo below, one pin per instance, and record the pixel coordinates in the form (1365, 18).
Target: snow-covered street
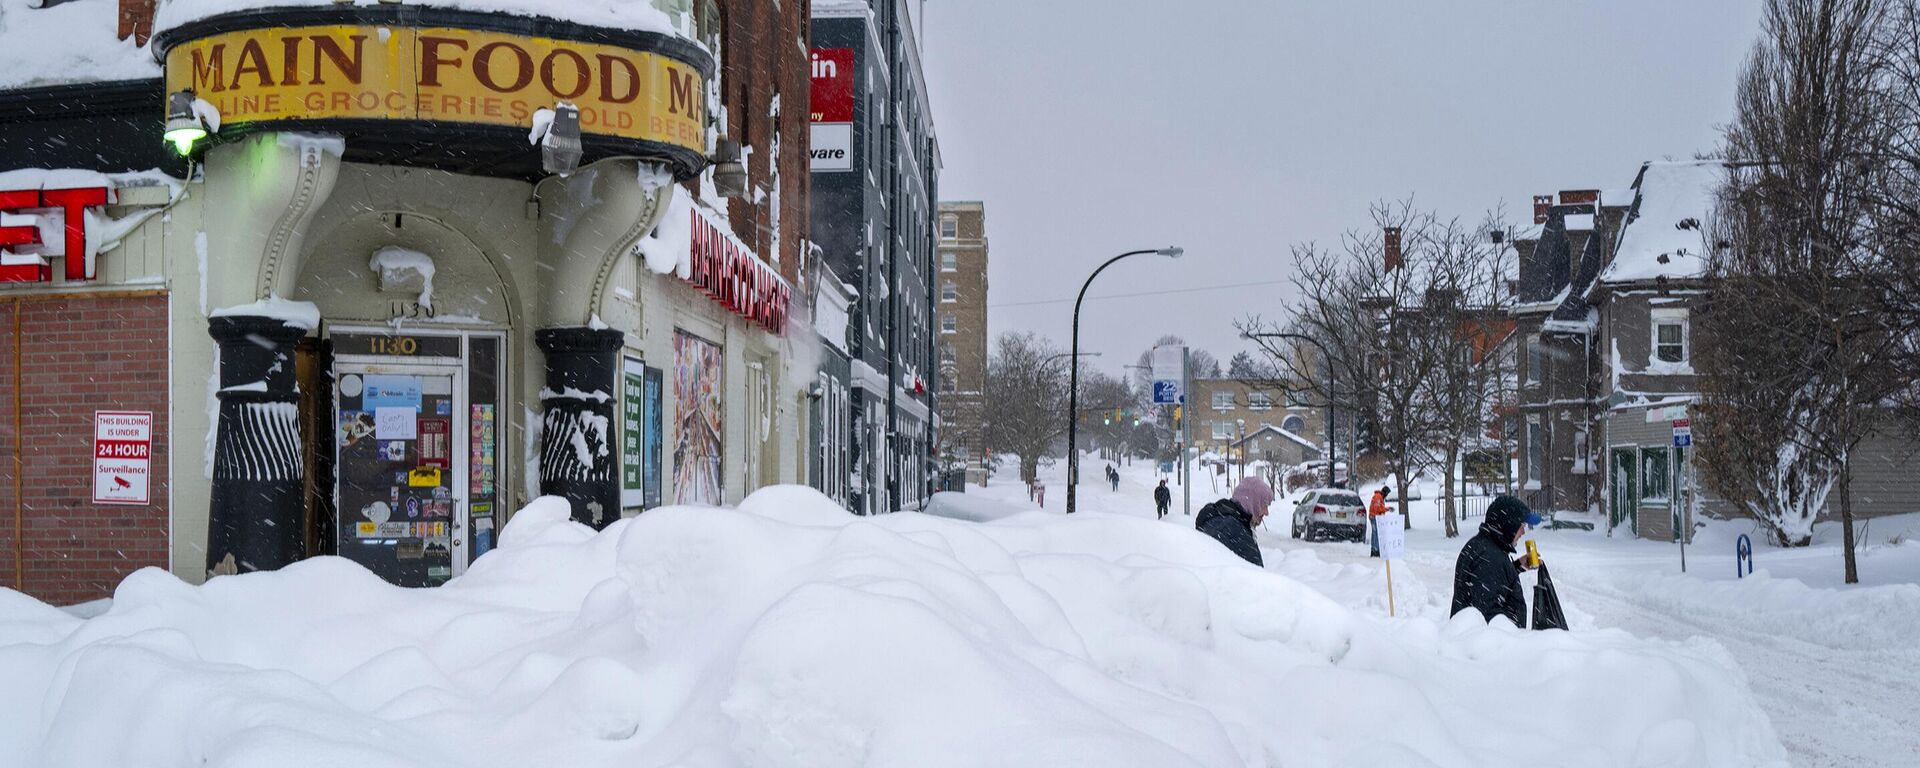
(1834, 668)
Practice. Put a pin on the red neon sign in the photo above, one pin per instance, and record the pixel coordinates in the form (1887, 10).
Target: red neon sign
(726, 271)
(72, 205)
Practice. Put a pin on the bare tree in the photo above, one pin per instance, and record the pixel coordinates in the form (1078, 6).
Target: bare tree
(1797, 370)
(1026, 392)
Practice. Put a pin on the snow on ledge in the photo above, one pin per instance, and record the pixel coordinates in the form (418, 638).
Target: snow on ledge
(73, 42)
(298, 314)
(635, 15)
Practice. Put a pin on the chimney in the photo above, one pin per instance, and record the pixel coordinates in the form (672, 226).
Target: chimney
(1390, 243)
(136, 20)
(1541, 204)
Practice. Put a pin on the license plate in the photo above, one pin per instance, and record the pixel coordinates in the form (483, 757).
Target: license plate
(1341, 515)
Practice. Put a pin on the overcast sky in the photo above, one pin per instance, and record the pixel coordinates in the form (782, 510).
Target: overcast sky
(1235, 128)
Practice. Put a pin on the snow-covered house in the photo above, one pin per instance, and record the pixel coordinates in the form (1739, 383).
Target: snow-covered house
(403, 268)
(1606, 372)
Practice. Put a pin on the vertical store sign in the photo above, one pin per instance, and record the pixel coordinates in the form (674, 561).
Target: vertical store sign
(832, 113)
(122, 456)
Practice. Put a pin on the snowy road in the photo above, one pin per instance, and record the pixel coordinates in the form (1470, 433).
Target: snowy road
(1835, 669)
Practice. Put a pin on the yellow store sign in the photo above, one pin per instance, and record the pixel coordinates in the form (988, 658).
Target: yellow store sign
(440, 74)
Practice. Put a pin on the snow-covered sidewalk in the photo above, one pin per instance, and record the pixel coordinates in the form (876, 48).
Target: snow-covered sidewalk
(1835, 667)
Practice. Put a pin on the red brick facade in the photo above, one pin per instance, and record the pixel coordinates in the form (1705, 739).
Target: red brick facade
(61, 359)
(766, 48)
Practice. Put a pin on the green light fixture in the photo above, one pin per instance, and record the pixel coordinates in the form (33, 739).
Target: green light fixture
(184, 128)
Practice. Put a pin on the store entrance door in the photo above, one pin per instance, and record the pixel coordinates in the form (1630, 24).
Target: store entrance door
(400, 481)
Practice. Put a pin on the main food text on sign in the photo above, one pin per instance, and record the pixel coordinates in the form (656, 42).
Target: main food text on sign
(440, 74)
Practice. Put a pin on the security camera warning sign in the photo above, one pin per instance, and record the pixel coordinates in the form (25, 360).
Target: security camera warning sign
(122, 456)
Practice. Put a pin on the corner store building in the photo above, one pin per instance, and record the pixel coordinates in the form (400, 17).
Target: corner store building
(372, 326)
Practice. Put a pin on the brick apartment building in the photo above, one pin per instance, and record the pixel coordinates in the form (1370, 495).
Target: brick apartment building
(961, 311)
(1225, 410)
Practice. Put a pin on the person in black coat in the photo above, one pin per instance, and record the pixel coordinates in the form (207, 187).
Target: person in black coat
(1162, 499)
(1231, 521)
(1485, 577)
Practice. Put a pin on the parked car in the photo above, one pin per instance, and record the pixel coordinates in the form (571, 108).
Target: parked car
(1330, 512)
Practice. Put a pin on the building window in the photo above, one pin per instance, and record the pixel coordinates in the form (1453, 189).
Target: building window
(949, 261)
(1670, 336)
(949, 291)
(1223, 401)
(946, 355)
(1223, 430)
(1536, 449)
(949, 324)
(1259, 401)
(1655, 483)
(949, 227)
(1296, 398)
(1536, 358)
(1294, 424)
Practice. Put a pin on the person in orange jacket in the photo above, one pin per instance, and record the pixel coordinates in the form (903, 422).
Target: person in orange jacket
(1375, 509)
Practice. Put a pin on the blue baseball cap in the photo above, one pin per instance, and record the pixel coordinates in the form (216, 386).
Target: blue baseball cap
(1533, 519)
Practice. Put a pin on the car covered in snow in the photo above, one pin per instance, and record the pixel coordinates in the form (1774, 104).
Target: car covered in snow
(1330, 512)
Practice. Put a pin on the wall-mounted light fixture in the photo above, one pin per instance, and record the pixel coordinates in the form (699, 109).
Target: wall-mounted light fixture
(184, 126)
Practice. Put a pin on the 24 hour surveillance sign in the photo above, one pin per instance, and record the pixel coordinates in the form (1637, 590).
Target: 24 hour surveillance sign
(832, 117)
(122, 456)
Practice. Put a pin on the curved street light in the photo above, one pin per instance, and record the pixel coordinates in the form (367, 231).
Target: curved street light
(1073, 378)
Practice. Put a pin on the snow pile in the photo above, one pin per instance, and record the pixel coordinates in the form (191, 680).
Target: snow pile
(72, 42)
(1676, 199)
(669, 247)
(640, 15)
(788, 633)
(401, 269)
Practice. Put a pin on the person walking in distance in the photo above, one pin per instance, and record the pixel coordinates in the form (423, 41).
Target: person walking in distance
(1113, 478)
(1162, 499)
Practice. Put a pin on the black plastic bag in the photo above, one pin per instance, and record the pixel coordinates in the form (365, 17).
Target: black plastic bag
(1546, 603)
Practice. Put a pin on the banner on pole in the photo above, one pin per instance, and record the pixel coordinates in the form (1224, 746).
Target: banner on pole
(1169, 374)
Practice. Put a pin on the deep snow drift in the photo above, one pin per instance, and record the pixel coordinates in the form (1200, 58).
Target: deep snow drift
(789, 633)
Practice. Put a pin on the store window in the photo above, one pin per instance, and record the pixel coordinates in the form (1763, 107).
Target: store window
(1656, 484)
(1670, 335)
(1223, 401)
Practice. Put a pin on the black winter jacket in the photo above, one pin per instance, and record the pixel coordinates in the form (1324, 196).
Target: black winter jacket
(1162, 496)
(1226, 521)
(1485, 577)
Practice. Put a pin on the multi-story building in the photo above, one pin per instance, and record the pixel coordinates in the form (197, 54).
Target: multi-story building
(1275, 421)
(355, 312)
(961, 313)
(1607, 363)
(875, 167)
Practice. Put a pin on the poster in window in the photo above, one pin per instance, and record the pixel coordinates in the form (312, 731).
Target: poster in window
(633, 418)
(698, 423)
(655, 406)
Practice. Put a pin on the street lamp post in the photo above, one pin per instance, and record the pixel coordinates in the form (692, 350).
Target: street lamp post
(1327, 360)
(1073, 379)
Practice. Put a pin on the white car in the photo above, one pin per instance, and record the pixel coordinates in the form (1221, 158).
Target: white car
(1330, 512)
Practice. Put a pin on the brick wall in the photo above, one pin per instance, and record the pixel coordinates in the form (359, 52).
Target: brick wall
(76, 355)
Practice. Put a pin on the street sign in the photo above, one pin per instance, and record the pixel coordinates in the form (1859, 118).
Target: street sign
(1166, 392)
(1393, 535)
(1169, 374)
(1682, 433)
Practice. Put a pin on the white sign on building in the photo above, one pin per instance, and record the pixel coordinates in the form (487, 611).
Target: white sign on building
(122, 456)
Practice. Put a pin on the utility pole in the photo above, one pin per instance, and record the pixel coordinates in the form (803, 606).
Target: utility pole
(1186, 432)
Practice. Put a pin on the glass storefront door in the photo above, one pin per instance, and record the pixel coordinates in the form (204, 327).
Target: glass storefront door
(415, 441)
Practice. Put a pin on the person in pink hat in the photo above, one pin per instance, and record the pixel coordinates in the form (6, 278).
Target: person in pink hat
(1231, 521)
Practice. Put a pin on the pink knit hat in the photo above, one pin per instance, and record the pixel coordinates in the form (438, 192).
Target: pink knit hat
(1253, 495)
